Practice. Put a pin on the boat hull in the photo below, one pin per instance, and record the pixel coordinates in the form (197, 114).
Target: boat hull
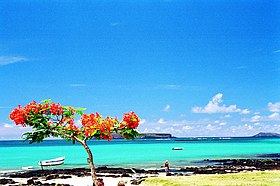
(177, 148)
(52, 162)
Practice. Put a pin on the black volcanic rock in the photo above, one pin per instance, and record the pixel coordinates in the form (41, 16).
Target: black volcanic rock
(266, 135)
(222, 166)
(5, 181)
(272, 156)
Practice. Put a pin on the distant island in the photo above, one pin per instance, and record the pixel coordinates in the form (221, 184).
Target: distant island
(156, 135)
(168, 136)
(148, 136)
(266, 135)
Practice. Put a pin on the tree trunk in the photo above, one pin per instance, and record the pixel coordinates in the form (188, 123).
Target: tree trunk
(90, 162)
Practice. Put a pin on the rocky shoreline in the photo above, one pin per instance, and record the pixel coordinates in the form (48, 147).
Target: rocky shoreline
(222, 166)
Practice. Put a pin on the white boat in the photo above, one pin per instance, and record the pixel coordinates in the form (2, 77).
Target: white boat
(52, 162)
(28, 168)
(177, 148)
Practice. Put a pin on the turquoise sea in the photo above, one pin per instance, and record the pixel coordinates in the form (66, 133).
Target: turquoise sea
(140, 153)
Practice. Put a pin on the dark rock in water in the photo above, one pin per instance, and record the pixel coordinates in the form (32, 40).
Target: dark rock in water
(235, 165)
(125, 175)
(56, 176)
(30, 182)
(275, 155)
(113, 170)
(33, 181)
(64, 176)
(52, 176)
(5, 181)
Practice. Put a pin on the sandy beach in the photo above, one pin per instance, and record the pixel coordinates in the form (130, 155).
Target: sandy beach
(74, 181)
(111, 176)
(258, 178)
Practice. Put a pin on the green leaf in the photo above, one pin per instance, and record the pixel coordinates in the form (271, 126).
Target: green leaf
(46, 101)
(79, 111)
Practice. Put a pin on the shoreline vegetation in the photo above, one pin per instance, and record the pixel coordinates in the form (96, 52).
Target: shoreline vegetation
(251, 171)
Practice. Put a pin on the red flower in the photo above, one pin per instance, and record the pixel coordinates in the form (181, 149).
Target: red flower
(94, 124)
(19, 116)
(68, 120)
(35, 108)
(32, 107)
(73, 128)
(56, 109)
(130, 120)
(73, 111)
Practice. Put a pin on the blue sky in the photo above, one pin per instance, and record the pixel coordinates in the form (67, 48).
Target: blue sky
(190, 68)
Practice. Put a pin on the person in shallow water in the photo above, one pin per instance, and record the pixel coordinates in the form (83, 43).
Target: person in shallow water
(166, 167)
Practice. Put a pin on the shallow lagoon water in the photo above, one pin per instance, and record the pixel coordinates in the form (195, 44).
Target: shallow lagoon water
(140, 153)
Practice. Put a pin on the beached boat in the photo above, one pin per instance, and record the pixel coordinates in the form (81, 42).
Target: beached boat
(28, 168)
(52, 162)
(177, 148)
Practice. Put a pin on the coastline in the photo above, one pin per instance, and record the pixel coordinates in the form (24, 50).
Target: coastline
(111, 176)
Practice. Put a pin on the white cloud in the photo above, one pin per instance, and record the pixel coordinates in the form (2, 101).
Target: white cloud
(245, 111)
(217, 98)
(161, 121)
(274, 107)
(222, 123)
(209, 127)
(142, 121)
(255, 118)
(187, 127)
(214, 106)
(212, 128)
(274, 116)
(6, 60)
(169, 87)
(166, 108)
(8, 125)
(250, 127)
(158, 128)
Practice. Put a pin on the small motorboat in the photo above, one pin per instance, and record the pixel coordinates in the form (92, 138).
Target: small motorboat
(177, 148)
(52, 162)
(28, 168)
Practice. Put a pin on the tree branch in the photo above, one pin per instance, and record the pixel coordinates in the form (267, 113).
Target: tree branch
(63, 134)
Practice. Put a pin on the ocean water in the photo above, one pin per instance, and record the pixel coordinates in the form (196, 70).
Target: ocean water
(140, 153)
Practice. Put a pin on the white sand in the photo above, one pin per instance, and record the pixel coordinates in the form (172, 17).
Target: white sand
(87, 181)
(78, 181)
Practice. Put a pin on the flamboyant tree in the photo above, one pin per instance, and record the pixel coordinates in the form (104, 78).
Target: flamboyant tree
(48, 119)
